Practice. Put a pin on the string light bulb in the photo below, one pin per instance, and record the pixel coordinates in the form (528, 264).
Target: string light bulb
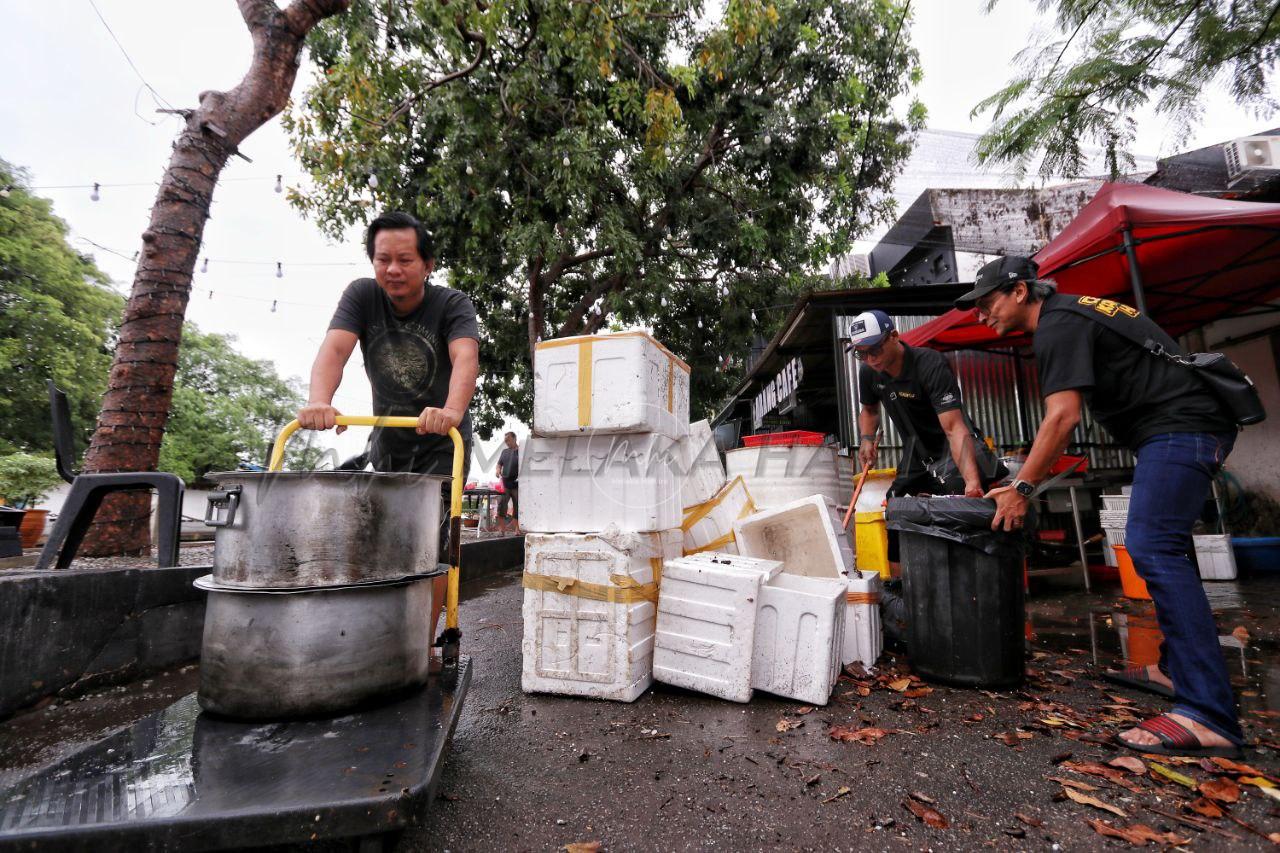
(279, 271)
(95, 195)
(565, 161)
(273, 306)
(373, 181)
(5, 190)
(204, 267)
(470, 171)
(279, 183)
(768, 140)
(753, 318)
(210, 294)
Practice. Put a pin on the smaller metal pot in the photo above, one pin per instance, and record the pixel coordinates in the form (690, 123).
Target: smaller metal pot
(280, 654)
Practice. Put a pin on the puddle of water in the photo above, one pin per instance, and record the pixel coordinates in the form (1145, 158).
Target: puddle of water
(1117, 631)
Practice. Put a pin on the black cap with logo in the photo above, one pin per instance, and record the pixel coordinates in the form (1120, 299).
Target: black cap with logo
(997, 274)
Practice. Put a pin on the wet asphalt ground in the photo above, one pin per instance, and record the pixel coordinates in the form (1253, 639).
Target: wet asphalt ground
(680, 771)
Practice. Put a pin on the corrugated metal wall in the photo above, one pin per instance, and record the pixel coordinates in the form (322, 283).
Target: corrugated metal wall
(1001, 394)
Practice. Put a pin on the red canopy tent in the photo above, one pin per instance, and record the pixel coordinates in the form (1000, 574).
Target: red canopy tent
(1184, 259)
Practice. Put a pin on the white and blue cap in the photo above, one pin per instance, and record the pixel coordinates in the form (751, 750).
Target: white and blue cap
(869, 328)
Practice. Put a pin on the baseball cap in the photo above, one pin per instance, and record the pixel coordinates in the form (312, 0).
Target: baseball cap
(996, 274)
(869, 328)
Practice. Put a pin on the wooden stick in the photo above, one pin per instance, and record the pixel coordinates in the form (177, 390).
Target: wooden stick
(1195, 824)
(853, 501)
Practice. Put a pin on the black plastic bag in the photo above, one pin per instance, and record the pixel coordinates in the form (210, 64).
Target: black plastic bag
(958, 519)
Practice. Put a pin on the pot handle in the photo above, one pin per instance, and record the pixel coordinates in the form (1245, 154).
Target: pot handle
(228, 499)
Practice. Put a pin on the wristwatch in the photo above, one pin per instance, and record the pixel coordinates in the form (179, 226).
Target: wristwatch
(1024, 488)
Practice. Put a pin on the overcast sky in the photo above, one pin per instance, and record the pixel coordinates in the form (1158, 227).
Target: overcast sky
(74, 112)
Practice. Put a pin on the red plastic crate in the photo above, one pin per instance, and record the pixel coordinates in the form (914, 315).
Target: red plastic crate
(792, 437)
(1064, 462)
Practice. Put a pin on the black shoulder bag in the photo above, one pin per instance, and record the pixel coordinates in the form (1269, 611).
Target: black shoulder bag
(1233, 388)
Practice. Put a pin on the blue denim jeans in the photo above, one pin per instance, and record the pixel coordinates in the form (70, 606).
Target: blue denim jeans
(1170, 485)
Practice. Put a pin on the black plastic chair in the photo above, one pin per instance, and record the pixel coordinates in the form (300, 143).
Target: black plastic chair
(88, 491)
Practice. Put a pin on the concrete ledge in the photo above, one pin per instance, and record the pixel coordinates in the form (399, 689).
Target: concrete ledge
(81, 628)
(75, 629)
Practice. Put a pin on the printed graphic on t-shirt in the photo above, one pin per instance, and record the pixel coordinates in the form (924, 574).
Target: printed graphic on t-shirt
(403, 362)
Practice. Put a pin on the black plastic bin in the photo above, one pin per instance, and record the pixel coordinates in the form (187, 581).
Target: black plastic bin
(963, 585)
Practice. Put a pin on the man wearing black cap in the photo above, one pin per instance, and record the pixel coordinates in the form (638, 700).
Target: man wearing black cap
(923, 400)
(1181, 434)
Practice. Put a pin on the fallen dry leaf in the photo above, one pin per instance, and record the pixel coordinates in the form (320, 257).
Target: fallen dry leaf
(1111, 774)
(1074, 783)
(1241, 633)
(1128, 762)
(785, 725)
(1222, 790)
(1257, 781)
(922, 797)
(1013, 738)
(917, 692)
(848, 734)
(1235, 766)
(1029, 821)
(840, 792)
(1086, 800)
(900, 685)
(583, 847)
(1274, 838)
(1173, 775)
(1206, 808)
(1138, 834)
(802, 710)
(929, 816)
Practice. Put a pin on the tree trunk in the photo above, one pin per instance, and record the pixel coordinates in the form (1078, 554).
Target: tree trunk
(136, 405)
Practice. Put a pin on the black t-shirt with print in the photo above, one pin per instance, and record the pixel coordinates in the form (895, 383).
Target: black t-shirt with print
(924, 389)
(407, 362)
(1133, 394)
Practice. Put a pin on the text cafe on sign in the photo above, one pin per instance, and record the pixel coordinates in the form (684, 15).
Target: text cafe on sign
(777, 391)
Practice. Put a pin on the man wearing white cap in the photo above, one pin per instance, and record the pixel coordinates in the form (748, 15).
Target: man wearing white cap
(922, 396)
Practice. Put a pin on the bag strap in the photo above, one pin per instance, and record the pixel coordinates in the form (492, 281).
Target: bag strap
(1134, 336)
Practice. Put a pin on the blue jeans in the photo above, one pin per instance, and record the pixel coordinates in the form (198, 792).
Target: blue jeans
(1170, 485)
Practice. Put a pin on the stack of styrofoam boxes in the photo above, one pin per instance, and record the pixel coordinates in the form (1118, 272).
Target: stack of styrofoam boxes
(1114, 515)
(807, 537)
(600, 505)
(708, 526)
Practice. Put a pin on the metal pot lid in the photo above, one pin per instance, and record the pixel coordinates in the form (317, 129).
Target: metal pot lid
(208, 584)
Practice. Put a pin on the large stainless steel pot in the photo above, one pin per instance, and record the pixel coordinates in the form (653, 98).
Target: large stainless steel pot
(302, 529)
(270, 655)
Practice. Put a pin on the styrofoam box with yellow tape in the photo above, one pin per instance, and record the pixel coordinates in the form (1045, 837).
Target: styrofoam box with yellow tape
(709, 526)
(863, 633)
(701, 470)
(779, 474)
(586, 484)
(799, 637)
(589, 611)
(805, 535)
(625, 382)
(706, 622)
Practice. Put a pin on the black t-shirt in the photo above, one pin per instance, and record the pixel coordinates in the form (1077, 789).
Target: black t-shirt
(509, 459)
(924, 389)
(1133, 394)
(407, 361)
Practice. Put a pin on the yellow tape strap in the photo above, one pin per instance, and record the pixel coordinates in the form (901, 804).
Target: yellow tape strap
(719, 542)
(584, 384)
(624, 590)
(862, 597)
(694, 514)
(655, 563)
(577, 339)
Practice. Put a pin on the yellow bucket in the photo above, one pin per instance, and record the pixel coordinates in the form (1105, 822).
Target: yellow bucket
(872, 542)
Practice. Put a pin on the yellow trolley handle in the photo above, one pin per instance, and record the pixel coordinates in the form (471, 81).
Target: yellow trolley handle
(455, 494)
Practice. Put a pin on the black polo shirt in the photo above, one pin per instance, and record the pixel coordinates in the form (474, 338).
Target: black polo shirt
(924, 389)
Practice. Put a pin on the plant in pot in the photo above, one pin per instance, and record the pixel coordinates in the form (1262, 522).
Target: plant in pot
(25, 480)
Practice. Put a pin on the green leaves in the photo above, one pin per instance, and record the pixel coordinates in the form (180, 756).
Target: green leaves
(1115, 58)
(616, 163)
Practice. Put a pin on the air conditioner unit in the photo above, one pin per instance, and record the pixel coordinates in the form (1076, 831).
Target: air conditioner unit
(1252, 161)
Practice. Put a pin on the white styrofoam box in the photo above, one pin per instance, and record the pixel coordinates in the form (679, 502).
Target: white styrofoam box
(709, 526)
(586, 484)
(776, 475)
(1117, 503)
(799, 637)
(805, 535)
(707, 622)
(576, 646)
(863, 634)
(625, 382)
(875, 489)
(1214, 556)
(701, 471)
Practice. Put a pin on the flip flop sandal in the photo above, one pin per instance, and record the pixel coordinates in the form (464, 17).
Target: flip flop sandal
(1177, 739)
(1138, 678)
